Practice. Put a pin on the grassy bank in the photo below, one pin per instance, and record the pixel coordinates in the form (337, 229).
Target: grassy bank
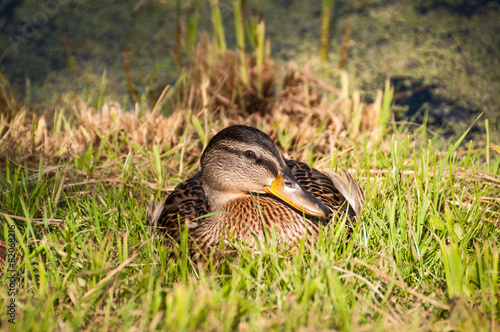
(425, 255)
(75, 183)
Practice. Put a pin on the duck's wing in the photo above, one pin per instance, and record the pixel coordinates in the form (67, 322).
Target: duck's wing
(184, 204)
(349, 188)
(331, 191)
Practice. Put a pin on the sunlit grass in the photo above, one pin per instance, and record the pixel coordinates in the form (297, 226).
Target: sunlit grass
(424, 256)
(75, 184)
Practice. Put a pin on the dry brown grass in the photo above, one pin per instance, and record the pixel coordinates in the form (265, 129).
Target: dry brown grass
(214, 92)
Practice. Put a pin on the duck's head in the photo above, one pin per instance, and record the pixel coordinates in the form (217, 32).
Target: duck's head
(241, 159)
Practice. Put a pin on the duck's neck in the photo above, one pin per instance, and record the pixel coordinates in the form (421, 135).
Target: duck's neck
(217, 199)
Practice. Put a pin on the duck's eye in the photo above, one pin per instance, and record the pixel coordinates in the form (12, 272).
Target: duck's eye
(250, 154)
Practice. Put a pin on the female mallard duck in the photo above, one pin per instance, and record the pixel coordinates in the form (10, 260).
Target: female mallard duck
(244, 175)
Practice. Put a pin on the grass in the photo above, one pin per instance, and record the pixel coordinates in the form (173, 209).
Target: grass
(75, 184)
(425, 255)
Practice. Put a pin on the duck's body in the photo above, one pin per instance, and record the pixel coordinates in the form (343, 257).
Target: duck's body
(284, 197)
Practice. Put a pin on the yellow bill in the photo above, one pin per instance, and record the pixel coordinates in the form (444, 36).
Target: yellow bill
(286, 188)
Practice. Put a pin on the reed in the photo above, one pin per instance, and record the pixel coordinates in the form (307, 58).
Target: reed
(326, 14)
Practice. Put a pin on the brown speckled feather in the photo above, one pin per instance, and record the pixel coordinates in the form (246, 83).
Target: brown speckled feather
(252, 216)
(322, 187)
(184, 204)
(252, 219)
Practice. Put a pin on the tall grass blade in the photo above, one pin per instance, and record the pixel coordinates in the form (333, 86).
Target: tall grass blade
(326, 14)
(239, 25)
(192, 25)
(387, 102)
(220, 39)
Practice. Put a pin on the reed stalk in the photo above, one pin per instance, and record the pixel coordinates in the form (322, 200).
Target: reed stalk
(239, 26)
(326, 8)
(220, 39)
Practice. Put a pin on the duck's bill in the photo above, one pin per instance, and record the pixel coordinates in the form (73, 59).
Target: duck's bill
(286, 188)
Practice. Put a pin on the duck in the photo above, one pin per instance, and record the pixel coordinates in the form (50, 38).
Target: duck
(247, 191)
